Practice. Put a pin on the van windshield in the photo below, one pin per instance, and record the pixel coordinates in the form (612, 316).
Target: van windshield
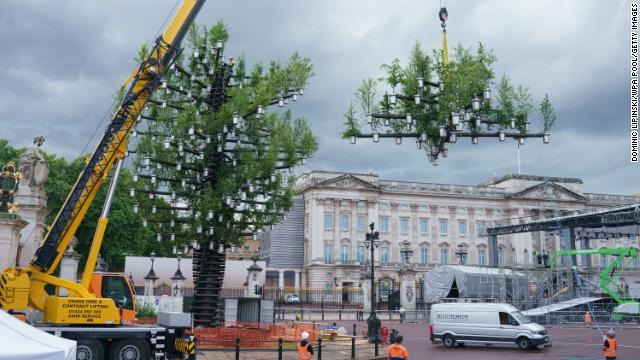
(522, 319)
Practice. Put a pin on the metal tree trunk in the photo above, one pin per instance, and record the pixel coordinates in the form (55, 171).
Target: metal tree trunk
(208, 273)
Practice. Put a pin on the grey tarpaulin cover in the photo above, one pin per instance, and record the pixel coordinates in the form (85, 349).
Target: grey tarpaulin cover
(472, 282)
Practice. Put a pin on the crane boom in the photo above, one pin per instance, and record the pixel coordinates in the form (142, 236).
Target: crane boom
(25, 287)
(112, 146)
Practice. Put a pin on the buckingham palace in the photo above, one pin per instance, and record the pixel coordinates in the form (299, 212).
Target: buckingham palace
(321, 245)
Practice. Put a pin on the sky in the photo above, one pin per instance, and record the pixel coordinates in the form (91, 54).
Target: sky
(61, 61)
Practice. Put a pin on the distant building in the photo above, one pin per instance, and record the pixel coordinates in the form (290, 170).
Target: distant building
(321, 243)
(249, 249)
(283, 249)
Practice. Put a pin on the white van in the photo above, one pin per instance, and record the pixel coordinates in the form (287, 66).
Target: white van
(484, 323)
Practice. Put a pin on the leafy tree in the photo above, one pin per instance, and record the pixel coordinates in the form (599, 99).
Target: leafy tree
(125, 234)
(548, 115)
(9, 153)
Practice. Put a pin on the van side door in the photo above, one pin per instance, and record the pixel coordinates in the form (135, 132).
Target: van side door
(509, 327)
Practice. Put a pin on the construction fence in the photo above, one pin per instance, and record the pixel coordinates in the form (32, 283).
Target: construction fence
(254, 335)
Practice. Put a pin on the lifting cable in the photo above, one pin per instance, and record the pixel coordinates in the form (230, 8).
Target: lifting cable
(109, 112)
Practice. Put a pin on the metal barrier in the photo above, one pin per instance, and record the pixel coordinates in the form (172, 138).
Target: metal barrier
(305, 314)
(280, 345)
(578, 319)
(310, 298)
(567, 318)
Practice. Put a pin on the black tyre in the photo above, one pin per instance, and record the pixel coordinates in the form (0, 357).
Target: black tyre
(524, 343)
(448, 341)
(130, 349)
(89, 349)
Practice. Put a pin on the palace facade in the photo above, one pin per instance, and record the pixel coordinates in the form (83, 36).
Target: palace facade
(323, 246)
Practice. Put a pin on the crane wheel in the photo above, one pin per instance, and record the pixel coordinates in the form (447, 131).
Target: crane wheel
(129, 349)
(89, 349)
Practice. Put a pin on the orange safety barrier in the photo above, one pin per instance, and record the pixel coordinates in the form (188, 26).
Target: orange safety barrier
(254, 335)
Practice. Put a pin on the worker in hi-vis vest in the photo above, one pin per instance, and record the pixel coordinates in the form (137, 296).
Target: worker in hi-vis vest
(587, 318)
(610, 346)
(397, 351)
(305, 350)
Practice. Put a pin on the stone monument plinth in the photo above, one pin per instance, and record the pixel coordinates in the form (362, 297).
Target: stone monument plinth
(32, 199)
(69, 265)
(10, 227)
(366, 294)
(408, 288)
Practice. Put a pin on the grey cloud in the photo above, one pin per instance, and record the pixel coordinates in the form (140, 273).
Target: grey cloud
(61, 62)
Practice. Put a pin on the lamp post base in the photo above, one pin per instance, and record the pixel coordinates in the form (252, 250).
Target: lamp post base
(373, 326)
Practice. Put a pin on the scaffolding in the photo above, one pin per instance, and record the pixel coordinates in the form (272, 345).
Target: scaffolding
(527, 286)
(564, 281)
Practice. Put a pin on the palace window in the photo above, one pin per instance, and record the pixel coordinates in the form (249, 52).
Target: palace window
(344, 222)
(424, 226)
(344, 254)
(424, 256)
(384, 255)
(462, 228)
(482, 257)
(328, 221)
(361, 223)
(443, 227)
(444, 256)
(404, 225)
(328, 254)
(361, 254)
(384, 224)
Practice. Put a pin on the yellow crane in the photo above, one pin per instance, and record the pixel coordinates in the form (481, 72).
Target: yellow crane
(21, 288)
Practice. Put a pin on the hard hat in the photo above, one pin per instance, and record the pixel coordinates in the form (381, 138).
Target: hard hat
(611, 333)
(304, 335)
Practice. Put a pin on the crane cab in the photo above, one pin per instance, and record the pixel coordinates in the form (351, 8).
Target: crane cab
(117, 287)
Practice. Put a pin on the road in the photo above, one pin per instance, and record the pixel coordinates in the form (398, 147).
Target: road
(568, 343)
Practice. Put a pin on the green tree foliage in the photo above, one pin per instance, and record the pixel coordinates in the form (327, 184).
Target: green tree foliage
(210, 153)
(9, 153)
(448, 89)
(548, 115)
(125, 234)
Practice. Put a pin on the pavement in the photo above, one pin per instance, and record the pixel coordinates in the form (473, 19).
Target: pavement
(568, 344)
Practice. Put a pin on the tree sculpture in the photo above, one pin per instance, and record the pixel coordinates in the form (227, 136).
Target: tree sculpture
(213, 163)
(436, 101)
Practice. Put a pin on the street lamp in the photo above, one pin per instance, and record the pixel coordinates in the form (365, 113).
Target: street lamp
(152, 257)
(461, 253)
(406, 252)
(372, 241)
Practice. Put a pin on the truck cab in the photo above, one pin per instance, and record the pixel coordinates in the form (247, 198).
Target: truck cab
(117, 287)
